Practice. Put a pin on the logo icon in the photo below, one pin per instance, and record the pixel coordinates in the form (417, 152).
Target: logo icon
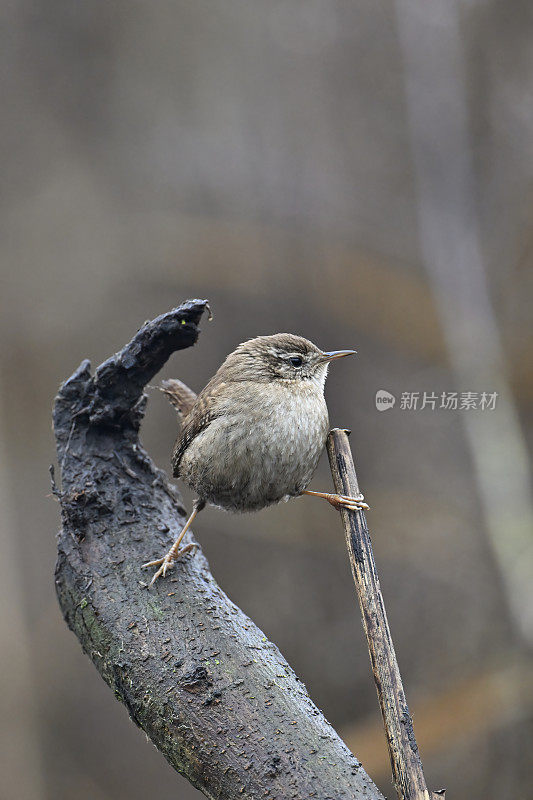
(384, 400)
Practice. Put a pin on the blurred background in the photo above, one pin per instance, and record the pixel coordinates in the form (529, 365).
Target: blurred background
(358, 172)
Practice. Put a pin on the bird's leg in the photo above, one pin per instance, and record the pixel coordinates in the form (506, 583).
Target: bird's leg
(341, 500)
(168, 561)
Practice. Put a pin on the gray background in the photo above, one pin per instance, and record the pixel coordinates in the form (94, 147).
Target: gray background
(269, 157)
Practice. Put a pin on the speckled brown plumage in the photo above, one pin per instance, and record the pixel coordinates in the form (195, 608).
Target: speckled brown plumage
(254, 434)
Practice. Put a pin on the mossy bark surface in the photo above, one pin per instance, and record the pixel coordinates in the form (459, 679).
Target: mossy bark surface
(214, 695)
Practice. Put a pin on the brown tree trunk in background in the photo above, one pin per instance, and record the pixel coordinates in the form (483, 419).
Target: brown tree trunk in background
(214, 695)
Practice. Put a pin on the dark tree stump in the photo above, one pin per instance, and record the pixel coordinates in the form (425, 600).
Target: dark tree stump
(214, 695)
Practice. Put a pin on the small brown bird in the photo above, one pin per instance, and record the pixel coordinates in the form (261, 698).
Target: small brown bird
(254, 435)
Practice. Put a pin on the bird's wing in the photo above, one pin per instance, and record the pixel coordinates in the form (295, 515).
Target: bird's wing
(208, 406)
(181, 397)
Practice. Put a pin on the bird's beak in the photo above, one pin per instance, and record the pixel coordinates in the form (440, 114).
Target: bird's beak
(331, 356)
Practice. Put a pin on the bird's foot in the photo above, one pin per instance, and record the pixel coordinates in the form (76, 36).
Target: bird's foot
(167, 562)
(339, 501)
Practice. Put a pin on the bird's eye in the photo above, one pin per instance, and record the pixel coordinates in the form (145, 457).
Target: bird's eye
(296, 361)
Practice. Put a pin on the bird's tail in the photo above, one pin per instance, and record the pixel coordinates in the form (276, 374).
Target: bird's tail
(181, 397)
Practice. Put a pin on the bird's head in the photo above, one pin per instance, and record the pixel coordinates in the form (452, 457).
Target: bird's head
(282, 356)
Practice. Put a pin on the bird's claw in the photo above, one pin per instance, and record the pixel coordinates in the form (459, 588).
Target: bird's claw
(350, 503)
(166, 563)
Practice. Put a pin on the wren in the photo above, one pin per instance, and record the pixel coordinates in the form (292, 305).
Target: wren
(254, 435)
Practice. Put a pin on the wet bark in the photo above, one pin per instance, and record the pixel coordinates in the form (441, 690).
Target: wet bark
(214, 695)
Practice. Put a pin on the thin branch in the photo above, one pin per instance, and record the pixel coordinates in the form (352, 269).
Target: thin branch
(214, 695)
(405, 760)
